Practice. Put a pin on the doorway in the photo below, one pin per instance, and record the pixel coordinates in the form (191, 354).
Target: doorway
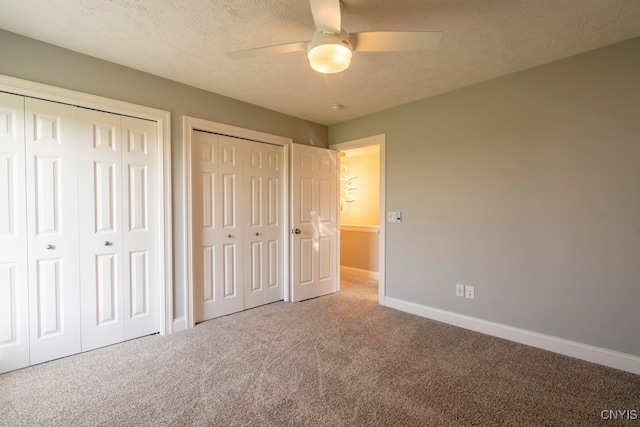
(362, 207)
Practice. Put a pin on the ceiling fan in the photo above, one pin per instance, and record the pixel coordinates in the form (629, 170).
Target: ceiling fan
(331, 47)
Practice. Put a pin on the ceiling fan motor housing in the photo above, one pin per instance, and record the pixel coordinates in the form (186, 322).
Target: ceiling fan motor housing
(329, 52)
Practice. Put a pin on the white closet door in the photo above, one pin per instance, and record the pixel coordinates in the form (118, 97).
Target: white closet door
(119, 256)
(230, 227)
(52, 218)
(204, 155)
(263, 218)
(140, 227)
(100, 222)
(14, 296)
(274, 223)
(217, 256)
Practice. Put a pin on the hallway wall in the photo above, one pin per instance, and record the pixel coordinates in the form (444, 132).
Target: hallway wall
(360, 218)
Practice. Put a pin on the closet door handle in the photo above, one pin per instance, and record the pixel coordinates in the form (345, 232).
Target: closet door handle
(49, 247)
(257, 234)
(108, 243)
(230, 236)
(297, 231)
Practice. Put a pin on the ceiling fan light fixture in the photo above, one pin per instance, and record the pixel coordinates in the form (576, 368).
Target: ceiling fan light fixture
(329, 53)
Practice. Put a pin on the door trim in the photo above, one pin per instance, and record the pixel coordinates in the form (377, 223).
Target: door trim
(163, 176)
(380, 140)
(190, 124)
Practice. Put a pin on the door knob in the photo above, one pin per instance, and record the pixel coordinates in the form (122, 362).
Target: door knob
(108, 243)
(230, 235)
(49, 247)
(297, 231)
(257, 234)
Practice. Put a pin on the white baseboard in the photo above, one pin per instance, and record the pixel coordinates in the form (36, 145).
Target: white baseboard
(359, 272)
(179, 324)
(601, 356)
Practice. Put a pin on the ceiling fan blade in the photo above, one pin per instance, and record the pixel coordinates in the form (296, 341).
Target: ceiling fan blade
(268, 50)
(383, 41)
(326, 15)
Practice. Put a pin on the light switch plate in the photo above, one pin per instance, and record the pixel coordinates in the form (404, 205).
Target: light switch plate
(394, 216)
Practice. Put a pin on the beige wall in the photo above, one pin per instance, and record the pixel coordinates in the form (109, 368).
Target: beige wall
(527, 187)
(29, 59)
(365, 209)
(359, 249)
(359, 245)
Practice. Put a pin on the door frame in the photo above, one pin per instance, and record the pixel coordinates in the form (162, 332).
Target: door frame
(190, 124)
(163, 176)
(380, 140)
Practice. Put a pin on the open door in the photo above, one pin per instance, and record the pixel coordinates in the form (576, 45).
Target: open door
(314, 222)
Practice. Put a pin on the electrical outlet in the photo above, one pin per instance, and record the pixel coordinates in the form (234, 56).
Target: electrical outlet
(460, 291)
(469, 292)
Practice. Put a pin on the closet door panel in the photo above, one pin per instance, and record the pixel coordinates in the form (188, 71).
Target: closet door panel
(204, 159)
(52, 218)
(229, 228)
(217, 225)
(14, 302)
(254, 220)
(263, 272)
(100, 223)
(274, 227)
(140, 228)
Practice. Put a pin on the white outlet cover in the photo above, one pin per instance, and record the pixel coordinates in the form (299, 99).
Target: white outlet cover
(469, 292)
(460, 291)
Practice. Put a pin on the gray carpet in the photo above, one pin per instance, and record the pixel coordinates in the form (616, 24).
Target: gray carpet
(338, 360)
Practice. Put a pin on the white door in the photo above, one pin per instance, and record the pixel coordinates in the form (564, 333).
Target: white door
(314, 217)
(14, 296)
(52, 218)
(140, 227)
(100, 193)
(217, 234)
(263, 273)
(79, 243)
(119, 255)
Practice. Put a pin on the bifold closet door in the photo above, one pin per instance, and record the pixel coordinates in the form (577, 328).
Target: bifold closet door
(140, 227)
(14, 295)
(101, 251)
(263, 218)
(52, 224)
(238, 256)
(78, 230)
(119, 237)
(217, 233)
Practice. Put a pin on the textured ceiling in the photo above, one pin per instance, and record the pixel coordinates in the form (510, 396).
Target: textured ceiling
(186, 41)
